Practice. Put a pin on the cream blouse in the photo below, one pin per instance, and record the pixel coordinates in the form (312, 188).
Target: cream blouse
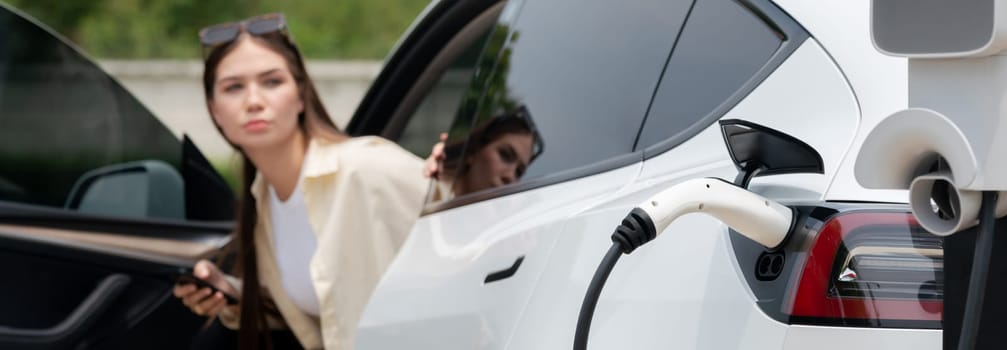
(362, 196)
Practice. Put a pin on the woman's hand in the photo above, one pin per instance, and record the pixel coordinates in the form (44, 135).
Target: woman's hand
(435, 162)
(203, 301)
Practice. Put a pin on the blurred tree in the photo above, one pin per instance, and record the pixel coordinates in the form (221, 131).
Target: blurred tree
(489, 93)
(346, 29)
(60, 14)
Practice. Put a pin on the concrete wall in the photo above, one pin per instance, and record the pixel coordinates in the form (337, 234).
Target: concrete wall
(172, 90)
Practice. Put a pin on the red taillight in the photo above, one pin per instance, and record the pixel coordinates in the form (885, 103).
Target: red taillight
(867, 267)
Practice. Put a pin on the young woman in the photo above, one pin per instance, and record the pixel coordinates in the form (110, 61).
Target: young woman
(321, 215)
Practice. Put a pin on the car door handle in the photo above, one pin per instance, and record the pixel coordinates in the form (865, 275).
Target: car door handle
(505, 273)
(75, 325)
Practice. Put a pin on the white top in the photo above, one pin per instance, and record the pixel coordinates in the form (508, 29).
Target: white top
(295, 245)
(362, 197)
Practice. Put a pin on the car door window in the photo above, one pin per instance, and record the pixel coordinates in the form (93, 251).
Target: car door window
(558, 100)
(723, 48)
(447, 86)
(72, 138)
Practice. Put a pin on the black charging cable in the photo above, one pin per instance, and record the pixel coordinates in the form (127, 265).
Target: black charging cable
(756, 217)
(980, 271)
(636, 229)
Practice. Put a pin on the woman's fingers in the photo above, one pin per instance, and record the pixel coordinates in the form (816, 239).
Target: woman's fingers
(195, 298)
(204, 301)
(182, 290)
(209, 272)
(212, 305)
(187, 292)
(432, 166)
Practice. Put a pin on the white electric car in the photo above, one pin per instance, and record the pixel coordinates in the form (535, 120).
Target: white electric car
(621, 100)
(563, 116)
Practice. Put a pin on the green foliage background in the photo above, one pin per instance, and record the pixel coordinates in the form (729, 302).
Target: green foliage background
(138, 29)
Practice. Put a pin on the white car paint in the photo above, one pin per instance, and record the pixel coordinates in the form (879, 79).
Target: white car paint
(878, 81)
(433, 295)
(685, 290)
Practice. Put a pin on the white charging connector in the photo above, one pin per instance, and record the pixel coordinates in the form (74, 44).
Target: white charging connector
(756, 217)
(760, 219)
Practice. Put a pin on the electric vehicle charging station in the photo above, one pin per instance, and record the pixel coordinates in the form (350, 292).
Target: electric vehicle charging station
(857, 269)
(755, 150)
(943, 149)
(947, 147)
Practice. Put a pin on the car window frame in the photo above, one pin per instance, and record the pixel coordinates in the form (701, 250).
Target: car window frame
(793, 35)
(402, 68)
(629, 157)
(473, 33)
(605, 165)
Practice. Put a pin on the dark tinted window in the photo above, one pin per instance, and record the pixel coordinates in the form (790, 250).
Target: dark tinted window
(433, 115)
(569, 80)
(722, 46)
(61, 117)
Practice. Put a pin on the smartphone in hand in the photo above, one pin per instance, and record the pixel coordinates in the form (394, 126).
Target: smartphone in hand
(186, 276)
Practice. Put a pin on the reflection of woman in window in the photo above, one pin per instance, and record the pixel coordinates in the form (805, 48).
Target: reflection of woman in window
(499, 151)
(321, 214)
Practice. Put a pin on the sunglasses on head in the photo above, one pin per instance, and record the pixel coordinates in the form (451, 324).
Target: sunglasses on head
(218, 34)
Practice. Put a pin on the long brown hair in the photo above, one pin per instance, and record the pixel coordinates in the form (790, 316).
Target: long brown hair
(314, 121)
